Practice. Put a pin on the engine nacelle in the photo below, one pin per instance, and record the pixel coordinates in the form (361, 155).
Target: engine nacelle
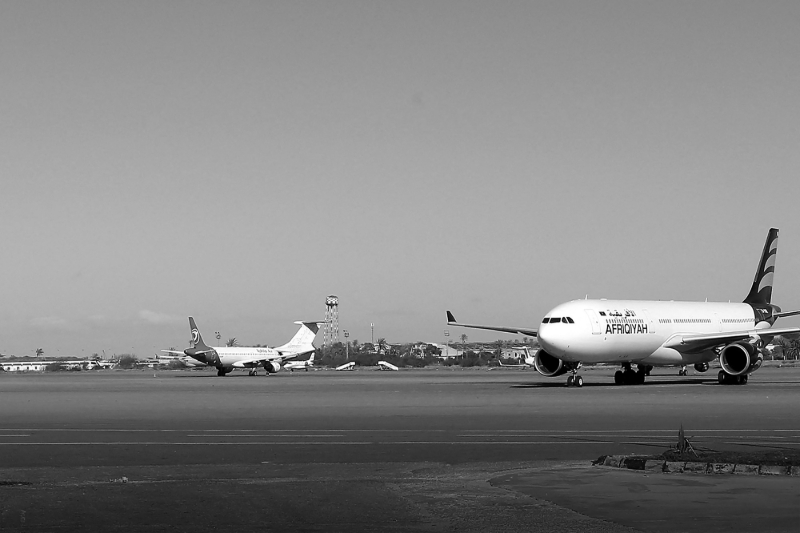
(740, 358)
(271, 367)
(548, 365)
(701, 367)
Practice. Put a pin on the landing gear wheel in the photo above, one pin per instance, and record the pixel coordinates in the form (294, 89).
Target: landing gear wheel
(722, 377)
(570, 381)
(578, 381)
(619, 377)
(221, 372)
(744, 380)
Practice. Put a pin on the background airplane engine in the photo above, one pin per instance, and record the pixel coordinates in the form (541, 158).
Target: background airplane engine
(271, 367)
(701, 367)
(740, 358)
(548, 365)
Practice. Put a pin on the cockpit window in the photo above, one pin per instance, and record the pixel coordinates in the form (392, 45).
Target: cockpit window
(546, 320)
(569, 320)
(555, 319)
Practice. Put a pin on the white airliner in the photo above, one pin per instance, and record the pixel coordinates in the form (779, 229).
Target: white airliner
(528, 361)
(346, 366)
(299, 365)
(654, 333)
(226, 358)
(383, 365)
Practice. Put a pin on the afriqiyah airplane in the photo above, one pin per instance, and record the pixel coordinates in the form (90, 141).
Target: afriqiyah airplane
(660, 333)
(300, 365)
(225, 359)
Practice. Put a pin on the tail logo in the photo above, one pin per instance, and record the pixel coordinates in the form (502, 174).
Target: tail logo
(195, 336)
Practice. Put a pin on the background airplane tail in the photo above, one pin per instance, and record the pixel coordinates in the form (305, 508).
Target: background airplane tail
(303, 340)
(761, 291)
(197, 339)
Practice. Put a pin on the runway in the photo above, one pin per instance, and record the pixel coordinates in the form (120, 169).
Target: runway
(326, 427)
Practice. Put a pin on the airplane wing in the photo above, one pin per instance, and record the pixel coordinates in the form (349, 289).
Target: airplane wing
(174, 352)
(451, 320)
(786, 313)
(693, 343)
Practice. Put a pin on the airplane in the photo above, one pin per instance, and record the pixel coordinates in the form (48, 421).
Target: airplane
(383, 365)
(226, 358)
(660, 333)
(297, 365)
(528, 361)
(346, 366)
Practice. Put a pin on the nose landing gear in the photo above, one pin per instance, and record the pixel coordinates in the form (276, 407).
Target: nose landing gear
(575, 379)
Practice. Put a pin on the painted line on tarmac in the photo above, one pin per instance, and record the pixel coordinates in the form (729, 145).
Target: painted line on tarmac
(298, 443)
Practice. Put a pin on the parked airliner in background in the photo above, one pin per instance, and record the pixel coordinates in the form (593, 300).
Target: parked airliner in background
(299, 365)
(653, 333)
(527, 361)
(226, 358)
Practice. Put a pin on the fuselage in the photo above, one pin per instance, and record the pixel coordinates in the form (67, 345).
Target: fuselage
(591, 331)
(228, 356)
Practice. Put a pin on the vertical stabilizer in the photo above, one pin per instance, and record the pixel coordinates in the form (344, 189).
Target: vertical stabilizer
(761, 292)
(197, 339)
(304, 338)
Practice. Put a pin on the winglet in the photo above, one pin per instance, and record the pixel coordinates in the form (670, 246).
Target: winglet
(450, 318)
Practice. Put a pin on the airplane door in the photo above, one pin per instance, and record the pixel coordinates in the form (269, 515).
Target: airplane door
(651, 326)
(594, 319)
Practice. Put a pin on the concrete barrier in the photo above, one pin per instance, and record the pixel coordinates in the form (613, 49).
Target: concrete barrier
(674, 467)
(696, 468)
(613, 460)
(720, 468)
(772, 470)
(654, 466)
(748, 470)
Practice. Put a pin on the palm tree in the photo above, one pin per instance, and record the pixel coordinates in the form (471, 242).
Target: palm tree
(39, 352)
(382, 345)
(232, 342)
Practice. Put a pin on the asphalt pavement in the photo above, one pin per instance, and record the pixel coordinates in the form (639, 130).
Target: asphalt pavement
(415, 450)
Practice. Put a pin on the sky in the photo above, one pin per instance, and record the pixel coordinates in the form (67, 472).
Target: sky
(240, 161)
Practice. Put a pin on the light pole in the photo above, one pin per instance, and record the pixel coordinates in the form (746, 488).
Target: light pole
(218, 336)
(372, 333)
(447, 342)
(346, 345)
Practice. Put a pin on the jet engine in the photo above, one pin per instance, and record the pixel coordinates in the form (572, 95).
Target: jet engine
(271, 367)
(548, 365)
(740, 358)
(701, 367)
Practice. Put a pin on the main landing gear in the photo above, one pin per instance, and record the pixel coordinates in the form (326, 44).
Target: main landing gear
(628, 376)
(683, 371)
(727, 379)
(253, 373)
(575, 379)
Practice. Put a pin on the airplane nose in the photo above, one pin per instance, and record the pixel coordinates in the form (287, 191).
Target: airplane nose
(553, 340)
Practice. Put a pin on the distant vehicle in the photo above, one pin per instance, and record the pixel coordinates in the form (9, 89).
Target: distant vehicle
(660, 333)
(291, 366)
(346, 366)
(226, 358)
(383, 365)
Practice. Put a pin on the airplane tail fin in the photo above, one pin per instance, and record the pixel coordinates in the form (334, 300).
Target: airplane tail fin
(197, 339)
(304, 338)
(761, 291)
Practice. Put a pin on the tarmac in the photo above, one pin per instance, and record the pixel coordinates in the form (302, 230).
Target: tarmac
(416, 450)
